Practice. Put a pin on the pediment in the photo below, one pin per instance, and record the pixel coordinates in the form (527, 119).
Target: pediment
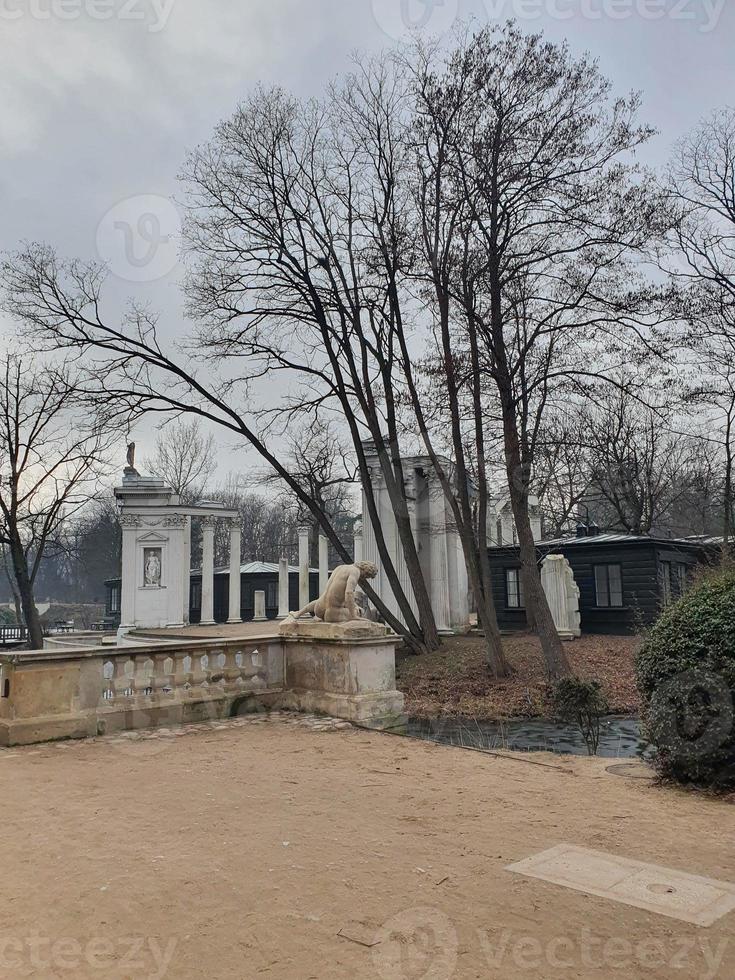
(152, 537)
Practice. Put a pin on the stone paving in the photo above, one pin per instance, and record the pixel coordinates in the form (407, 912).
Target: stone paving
(289, 719)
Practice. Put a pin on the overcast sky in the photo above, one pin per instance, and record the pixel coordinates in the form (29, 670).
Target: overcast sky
(102, 98)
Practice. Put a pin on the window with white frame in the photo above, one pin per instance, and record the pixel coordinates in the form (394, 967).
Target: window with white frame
(514, 588)
(609, 586)
(115, 598)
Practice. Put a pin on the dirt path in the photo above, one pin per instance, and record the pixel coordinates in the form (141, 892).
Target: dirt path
(244, 851)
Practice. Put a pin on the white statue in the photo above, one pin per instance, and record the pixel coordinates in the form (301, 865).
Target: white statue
(153, 568)
(562, 593)
(337, 604)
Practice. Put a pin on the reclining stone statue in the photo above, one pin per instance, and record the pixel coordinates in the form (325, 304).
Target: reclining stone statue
(337, 604)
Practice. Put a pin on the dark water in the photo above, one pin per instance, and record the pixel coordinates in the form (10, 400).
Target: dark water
(620, 736)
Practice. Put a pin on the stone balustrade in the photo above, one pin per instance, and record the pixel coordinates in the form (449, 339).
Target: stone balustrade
(77, 693)
(49, 694)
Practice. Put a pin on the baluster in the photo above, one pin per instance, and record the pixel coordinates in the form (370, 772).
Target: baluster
(180, 677)
(108, 680)
(215, 672)
(198, 675)
(121, 679)
(232, 670)
(160, 678)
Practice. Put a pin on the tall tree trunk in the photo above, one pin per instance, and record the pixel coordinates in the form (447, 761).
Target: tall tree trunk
(557, 664)
(25, 590)
(13, 587)
(396, 493)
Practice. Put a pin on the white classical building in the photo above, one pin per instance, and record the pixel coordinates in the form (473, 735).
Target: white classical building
(437, 542)
(501, 528)
(156, 554)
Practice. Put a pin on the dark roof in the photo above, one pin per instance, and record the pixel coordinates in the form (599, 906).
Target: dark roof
(695, 541)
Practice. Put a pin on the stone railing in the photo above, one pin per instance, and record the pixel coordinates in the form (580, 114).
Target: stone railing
(77, 693)
(49, 694)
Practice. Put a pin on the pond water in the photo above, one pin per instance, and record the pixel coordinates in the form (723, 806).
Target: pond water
(620, 735)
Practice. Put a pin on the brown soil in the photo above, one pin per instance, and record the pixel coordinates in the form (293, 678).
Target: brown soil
(260, 850)
(455, 680)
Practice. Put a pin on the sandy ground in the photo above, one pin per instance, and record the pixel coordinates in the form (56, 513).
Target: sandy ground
(245, 850)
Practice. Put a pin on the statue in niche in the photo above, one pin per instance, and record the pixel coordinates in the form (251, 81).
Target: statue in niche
(338, 604)
(152, 567)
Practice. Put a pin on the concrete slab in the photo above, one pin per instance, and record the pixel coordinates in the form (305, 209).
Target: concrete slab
(664, 891)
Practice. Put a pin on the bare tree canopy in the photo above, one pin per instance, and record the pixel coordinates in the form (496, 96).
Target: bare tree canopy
(184, 456)
(53, 452)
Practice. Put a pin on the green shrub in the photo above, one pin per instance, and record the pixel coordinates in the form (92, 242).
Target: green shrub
(686, 675)
(582, 703)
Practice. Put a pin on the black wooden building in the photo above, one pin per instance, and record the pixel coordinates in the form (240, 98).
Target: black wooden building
(624, 580)
(255, 576)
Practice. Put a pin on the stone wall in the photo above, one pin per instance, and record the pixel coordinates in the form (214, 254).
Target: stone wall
(78, 693)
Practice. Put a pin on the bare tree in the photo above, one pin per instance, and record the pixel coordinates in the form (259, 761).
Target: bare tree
(701, 260)
(130, 372)
(52, 453)
(637, 464)
(319, 460)
(561, 470)
(185, 457)
(531, 215)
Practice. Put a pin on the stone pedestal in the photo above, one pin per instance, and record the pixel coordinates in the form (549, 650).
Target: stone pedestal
(343, 669)
(562, 594)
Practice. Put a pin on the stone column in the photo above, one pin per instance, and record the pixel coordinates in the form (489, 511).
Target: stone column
(130, 525)
(323, 563)
(357, 543)
(283, 600)
(303, 567)
(260, 616)
(207, 571)
(186, 570)
(235, 546)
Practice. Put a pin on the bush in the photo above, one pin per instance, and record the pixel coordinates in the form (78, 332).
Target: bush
(583, 703)
(686, 675)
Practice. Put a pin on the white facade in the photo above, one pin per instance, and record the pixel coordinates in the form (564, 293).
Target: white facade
(501, 528)
(156, 554)
(437, 542)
